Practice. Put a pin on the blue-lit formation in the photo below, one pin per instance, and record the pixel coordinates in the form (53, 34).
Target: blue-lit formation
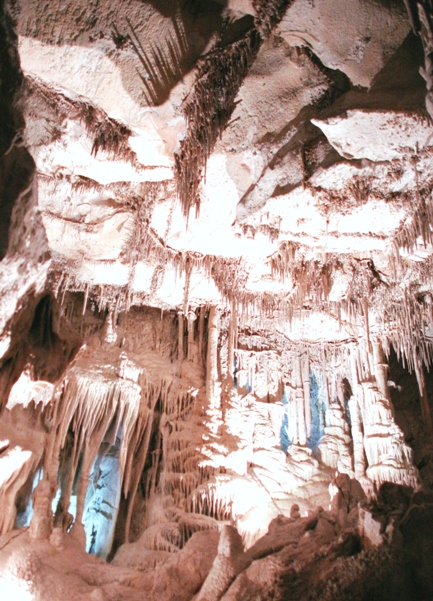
(318, 412)
(102, 501)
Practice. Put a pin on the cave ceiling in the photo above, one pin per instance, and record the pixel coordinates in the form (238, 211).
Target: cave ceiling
(219, 153)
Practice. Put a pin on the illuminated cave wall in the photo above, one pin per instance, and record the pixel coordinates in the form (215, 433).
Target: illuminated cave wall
(141, 443)
(216, 284)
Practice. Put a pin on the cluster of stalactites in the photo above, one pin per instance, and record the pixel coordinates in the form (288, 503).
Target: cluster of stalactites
(268, 14)
(378, 446)
(360, 436)
(386, 456)
(92, 410)
(208, 110)
(312, 282)
(400, 313)
(108, 135)
(211, 103)
(298, 401)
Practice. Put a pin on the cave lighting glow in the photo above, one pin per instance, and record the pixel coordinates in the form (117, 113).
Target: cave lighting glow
(15, 588)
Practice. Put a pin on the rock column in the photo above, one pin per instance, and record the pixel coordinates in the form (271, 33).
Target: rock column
(231, 345)
(381, 369)
(356, 424)
(191, 325)
(307, 394)
(180, 351)
(425, 408)
(212, 353)
(300, 404)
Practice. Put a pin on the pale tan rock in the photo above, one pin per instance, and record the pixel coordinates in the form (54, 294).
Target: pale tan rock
(256, 582)
(370, 529)
(42, 522)
(362, 52)
(229, 562)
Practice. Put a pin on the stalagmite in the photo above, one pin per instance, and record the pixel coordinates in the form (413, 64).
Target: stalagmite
(16, 467)
(42, 521)
(389, 458)
(67, 470)
(109, 330)
(335, 447)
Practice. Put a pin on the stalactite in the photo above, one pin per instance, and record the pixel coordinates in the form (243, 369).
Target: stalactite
(188, 271)
(212, 350)
(367, 321)
(208, 110)
(108, 134)
(306, 389)
(292, 415)
(90, 452)
(191, 327)
(231, 343)
(356, 421)
(357, 437)
(381, 369)
(269, 13)
(300, 403)
(180, 339)
(200, 332)
(67, 473)
(425, 407)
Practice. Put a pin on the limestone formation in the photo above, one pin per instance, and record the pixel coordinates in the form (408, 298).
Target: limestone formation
(216, 300)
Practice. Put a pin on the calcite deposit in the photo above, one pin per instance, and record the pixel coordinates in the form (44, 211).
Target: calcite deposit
(216, 300)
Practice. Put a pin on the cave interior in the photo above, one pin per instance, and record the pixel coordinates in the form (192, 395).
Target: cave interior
(216, 300)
